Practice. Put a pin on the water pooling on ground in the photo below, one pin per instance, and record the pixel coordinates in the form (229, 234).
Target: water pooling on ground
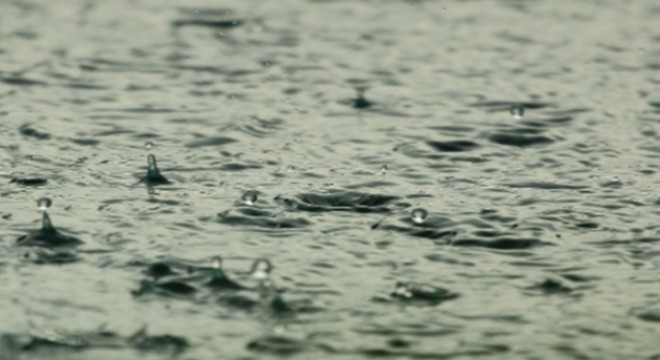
(305, 133)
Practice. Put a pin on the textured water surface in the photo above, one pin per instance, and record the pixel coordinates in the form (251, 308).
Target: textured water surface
(340, 117)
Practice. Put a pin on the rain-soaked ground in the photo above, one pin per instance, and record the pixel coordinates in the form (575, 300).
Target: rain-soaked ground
(525, 134)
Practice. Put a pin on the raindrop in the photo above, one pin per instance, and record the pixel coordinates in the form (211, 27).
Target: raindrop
(418, 215)
(148, 145)
(44, 203)
(249, 197)
(517, 111)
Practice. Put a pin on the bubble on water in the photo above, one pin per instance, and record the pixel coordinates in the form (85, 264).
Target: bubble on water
(261, 269)
(418, 215)
(517, 111)
(216, 262)
(403, 289)
(249, 197)
(148, 145)
(286, 202)
(44, 203)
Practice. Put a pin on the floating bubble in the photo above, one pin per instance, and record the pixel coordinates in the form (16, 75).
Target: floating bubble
(261, 269)
(216, 262)
(402, 290)
(44, 203)
(517, 111)
(286, 202)
(418, 215)
(249, 197)
(148, 145)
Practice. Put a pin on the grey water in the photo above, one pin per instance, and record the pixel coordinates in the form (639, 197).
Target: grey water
(429, 179)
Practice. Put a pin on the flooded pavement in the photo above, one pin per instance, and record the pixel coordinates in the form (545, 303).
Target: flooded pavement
(329, 179)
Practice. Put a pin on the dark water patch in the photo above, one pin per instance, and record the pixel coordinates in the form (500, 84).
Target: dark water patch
(165, 288)
(84, 86)
(26, 344)
(140, 110)
(416, 330)
(86, 142)
(371, 184)
(453, 146)
(543, 123)
(111, 65)
(29, 181)
(411, 293)
(507, 105)
(649, 315)
(433, 229)
(519, 140)
(503, 243)
(589, 225)
(478, 352)
(46, 257)
(48, 239)
(21, 81)
(211, 141)
(451, 129)
(542, 185)
(169, 344)
(618, 242)
(29, 131)
(235, 166)
(208, 23)
(284, 346)
(271, 221)
(550, 287)
(339, 201)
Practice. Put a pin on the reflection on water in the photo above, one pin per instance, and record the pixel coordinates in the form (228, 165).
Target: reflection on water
(428, 180)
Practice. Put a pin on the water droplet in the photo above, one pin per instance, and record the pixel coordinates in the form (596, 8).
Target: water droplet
(216, 262)
(361, 102)
(418, 215)
(153, 166)
(249, 197)
(517, 111)
(261, 269)
(148, 145)
(44, 203)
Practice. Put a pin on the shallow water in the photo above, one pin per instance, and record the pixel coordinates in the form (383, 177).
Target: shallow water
(543, 229)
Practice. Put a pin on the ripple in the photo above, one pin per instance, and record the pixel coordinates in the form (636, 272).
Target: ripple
(519, 140)
(453, 146)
